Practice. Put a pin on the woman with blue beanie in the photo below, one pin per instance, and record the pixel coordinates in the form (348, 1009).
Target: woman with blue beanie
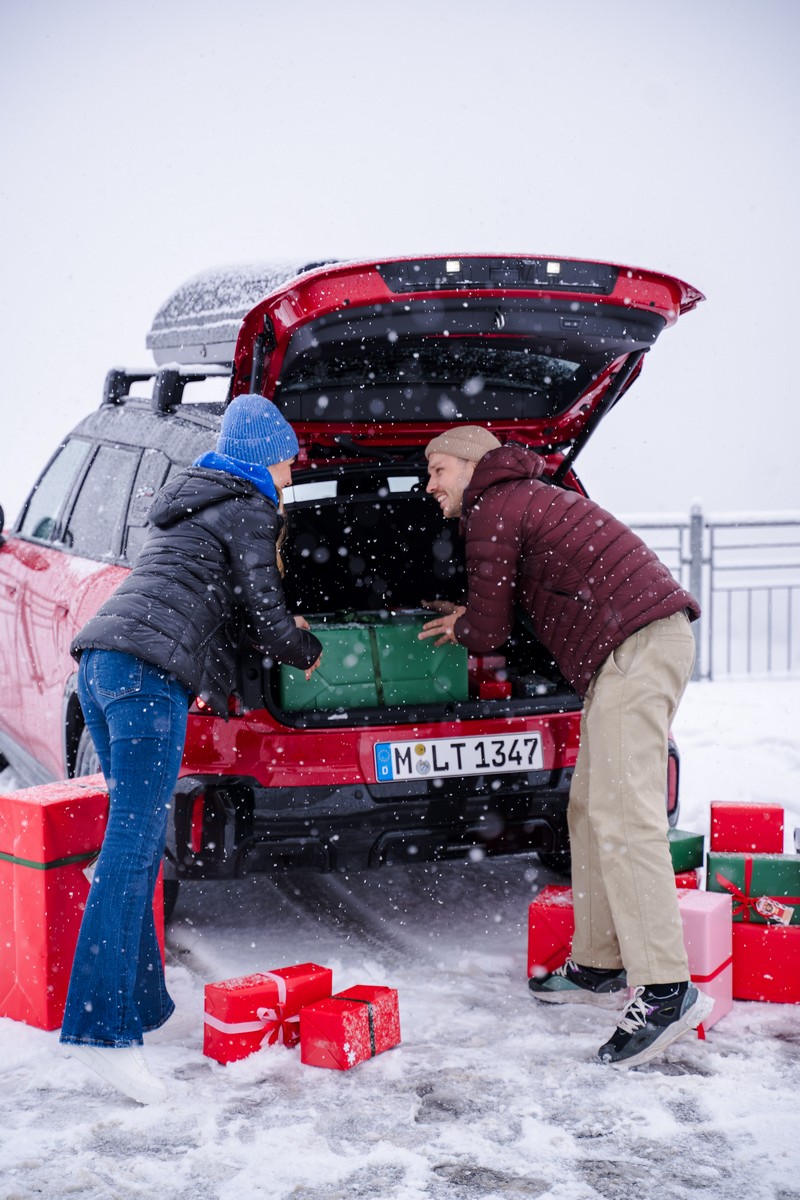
(165, 636)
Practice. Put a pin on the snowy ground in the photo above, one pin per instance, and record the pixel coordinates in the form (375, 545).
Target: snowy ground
(489, 1096)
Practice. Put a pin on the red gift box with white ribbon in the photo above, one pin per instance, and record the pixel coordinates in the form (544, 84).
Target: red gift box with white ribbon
(244, 1014)
(350, 1027)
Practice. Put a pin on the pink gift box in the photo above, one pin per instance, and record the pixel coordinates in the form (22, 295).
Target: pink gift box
(707, 935)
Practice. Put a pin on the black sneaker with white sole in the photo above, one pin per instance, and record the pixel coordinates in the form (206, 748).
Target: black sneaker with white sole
(574, 984)
(652, 1020)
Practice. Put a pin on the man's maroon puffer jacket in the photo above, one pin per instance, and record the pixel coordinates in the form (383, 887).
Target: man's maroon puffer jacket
(585, 580)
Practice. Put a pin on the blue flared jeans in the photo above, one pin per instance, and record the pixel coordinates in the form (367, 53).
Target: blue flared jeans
(136, 714)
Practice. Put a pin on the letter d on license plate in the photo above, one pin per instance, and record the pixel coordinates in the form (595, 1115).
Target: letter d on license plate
(439, 757)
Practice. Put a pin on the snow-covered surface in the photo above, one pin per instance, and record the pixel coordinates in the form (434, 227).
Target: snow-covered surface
(209, 307)
(489, 1095)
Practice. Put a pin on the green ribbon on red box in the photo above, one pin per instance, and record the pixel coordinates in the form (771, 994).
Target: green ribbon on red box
(85, 857)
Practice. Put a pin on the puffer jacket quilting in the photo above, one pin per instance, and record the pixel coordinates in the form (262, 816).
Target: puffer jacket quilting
(584, 579)
(207, 567)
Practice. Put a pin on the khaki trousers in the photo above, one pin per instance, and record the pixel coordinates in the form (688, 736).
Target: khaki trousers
(626, 905)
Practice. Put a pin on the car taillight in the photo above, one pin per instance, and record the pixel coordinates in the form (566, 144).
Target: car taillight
(672, 781)
(196, 829)
(201, 705)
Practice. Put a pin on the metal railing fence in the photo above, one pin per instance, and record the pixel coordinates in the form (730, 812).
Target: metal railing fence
(745, 571)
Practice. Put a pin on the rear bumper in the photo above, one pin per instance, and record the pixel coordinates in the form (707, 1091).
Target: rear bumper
(227, 829)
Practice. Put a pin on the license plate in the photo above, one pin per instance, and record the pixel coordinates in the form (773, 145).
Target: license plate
(440, 757)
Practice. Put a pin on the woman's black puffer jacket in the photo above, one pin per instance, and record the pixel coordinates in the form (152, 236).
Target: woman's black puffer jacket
(207, 562)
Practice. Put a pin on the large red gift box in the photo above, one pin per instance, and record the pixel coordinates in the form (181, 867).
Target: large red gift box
(766, 963)
(706, 918)
(49, 836)
(746, 828)
(350, 1027)
(551, 924)
(244, 1014)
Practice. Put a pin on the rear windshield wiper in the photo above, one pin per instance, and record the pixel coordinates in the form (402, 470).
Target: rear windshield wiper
(401, 454)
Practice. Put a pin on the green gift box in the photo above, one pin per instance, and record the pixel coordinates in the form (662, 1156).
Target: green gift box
(755, 881)
(376, 661)
(686, 850)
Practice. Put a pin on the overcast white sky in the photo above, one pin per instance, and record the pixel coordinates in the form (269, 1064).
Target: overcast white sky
(141, 143)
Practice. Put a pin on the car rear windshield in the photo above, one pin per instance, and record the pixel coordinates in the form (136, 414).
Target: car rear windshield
(433, 377)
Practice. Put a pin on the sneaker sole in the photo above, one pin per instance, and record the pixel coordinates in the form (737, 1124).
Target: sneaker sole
(584, 996)
(693, 1017)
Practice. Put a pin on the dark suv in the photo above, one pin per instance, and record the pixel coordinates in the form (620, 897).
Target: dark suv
(368, 361)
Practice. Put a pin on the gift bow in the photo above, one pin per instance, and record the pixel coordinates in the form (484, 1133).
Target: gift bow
(744, 901)
(271, 1020)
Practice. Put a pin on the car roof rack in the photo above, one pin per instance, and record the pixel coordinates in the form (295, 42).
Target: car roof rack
(168, 388)
(170, 383)
(118, 382)
(200, 321)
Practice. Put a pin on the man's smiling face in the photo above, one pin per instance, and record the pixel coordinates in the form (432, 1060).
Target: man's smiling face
(449, 477)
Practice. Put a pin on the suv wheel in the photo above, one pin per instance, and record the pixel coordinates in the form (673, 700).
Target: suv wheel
(86, 760)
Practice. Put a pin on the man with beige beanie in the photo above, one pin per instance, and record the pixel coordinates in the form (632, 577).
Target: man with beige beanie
(617, 625)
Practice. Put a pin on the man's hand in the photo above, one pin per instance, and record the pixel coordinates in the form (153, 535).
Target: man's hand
(443, 627)
(445, 607)
(301, 623)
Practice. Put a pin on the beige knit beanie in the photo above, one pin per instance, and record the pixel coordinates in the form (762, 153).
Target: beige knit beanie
(463, 441)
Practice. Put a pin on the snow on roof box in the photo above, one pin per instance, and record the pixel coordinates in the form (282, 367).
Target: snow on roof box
(200, 321)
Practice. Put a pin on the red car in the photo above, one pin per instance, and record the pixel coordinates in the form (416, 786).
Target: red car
(368, 361)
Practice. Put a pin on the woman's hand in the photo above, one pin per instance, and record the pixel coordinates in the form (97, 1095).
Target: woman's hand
(443, 628)
(301, 623)
(310, 670)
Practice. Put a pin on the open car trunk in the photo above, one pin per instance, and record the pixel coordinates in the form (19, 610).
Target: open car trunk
(361, 558)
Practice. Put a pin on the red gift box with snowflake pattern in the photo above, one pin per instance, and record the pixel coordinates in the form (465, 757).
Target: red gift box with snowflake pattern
(350, 1027)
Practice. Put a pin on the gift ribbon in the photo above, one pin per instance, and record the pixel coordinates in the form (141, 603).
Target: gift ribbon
(746, 902)
(271, 1020)
(370, 1016)
(85, 857)
(714, 974)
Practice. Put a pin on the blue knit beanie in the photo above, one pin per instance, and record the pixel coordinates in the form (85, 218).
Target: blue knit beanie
(255, 431)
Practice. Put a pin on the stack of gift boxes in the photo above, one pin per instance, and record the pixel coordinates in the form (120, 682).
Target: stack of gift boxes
(294, 1005)
(746, 863)
(742, 933)
(50, 838)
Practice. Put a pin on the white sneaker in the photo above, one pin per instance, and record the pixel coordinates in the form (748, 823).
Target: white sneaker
(124, 1068)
